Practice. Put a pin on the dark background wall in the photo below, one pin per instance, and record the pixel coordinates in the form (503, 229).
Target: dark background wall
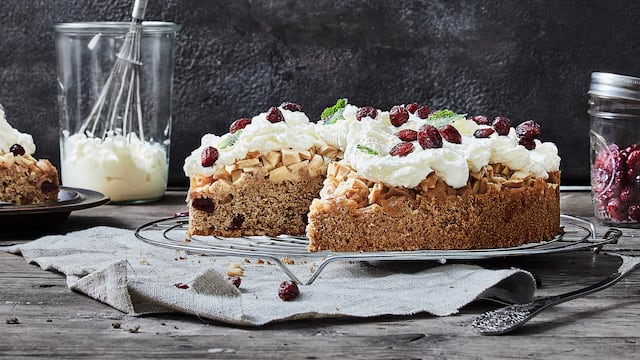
(521, 59)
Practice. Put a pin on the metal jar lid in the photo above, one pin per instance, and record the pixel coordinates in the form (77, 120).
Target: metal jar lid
(615, 86)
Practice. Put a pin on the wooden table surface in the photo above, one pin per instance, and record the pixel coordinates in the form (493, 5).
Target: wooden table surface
(41, 318)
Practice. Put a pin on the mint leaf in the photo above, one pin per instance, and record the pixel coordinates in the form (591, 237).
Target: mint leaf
(334, 113)
(442, 117)
(367, 150)
(229, 141)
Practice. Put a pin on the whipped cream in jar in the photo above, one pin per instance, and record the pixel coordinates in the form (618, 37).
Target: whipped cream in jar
(125, 156)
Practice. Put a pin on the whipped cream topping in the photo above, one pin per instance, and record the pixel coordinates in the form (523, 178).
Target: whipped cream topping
(452, 162)
(10, 136)
(295, 132)
(366, 145)
(125, 169)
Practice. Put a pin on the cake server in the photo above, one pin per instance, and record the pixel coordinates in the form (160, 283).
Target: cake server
(512, 317)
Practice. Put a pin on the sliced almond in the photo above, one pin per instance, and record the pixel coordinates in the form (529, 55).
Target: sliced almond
(305, 155)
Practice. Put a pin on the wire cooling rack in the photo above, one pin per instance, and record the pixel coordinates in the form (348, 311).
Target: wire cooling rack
(172, 233)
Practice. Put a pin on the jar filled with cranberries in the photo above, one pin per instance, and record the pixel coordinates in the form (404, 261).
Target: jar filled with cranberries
(614, 109)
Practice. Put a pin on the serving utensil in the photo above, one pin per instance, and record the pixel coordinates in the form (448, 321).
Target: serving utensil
(512, 317)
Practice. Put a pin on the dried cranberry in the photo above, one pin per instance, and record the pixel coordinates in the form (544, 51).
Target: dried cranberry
(429, 137)
(634, 212)
(235, 281)
(402, 149)
(407, 135)
(48, 187)
(481, 120)
(528, 144)
(291, 106)
(17, 149)
(627, 194)
(528, 129)
(423, 112)
(483, 133)
(633, 161)
(451, 134)
(617, 209)
(203, 204)
(411, 108)
(274, 115)
(209, 156)
(239, 124)
(237, 221)
(366, 111)
(181, 286)
(502, 125)
(288, 290)
(398, 115)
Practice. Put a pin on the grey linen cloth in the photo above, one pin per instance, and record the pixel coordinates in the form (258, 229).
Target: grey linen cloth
(113, 266)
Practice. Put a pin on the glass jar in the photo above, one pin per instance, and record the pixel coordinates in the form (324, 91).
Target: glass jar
(614, 109)
(123, 154)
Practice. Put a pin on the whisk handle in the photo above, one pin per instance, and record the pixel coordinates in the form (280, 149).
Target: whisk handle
(139, 7)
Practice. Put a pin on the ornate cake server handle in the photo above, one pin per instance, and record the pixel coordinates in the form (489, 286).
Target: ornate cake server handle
(506, 319)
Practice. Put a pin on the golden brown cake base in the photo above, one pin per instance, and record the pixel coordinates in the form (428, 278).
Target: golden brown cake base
(262, 195)
(25, 180)
(492, 211)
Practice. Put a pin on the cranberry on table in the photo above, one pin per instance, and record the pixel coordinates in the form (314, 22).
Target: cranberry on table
(235, 281)
(288, 290)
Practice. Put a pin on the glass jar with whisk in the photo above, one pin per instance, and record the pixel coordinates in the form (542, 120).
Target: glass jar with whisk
(114, 99)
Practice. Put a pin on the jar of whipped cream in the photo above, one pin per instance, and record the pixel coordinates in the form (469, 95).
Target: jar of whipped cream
(614, 109)
(115, 115)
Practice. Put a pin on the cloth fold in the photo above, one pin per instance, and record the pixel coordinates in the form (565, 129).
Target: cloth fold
(112, 266)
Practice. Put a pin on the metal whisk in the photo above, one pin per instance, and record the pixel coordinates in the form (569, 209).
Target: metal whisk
(119, 105)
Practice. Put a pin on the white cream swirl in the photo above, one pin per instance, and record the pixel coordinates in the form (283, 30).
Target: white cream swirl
(10, 136)
(295, 132)
(452, 162)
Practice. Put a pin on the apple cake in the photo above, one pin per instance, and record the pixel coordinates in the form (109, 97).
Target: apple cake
(259, 178)
(24, 180)
(412, 180)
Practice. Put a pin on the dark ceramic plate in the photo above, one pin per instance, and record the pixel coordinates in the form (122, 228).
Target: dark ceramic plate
(28, 218)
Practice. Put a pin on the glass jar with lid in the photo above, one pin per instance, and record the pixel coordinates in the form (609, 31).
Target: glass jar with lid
(614, 109)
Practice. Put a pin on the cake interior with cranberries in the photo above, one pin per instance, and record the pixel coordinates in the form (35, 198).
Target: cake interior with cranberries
(415, 180)
(262, 186)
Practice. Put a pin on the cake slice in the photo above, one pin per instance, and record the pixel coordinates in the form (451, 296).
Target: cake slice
(258, 179)
(24, 180)
(415, 180)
